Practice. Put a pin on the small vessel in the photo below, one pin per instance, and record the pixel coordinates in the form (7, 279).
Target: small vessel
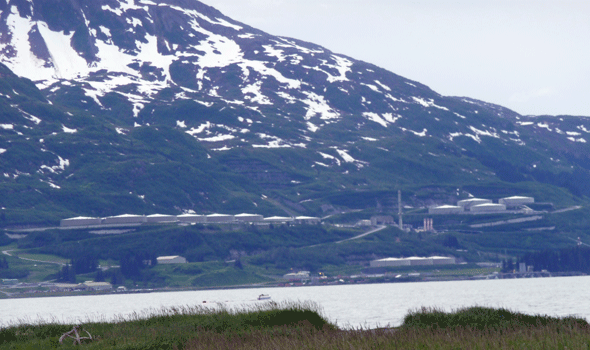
(263, 297)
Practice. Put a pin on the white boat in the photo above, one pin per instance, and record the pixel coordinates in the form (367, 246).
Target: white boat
(263, 297)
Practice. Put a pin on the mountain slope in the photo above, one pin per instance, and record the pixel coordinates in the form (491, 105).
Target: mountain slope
(170, 106)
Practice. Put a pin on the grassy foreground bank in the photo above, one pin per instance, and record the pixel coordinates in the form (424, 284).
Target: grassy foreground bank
(302, 326)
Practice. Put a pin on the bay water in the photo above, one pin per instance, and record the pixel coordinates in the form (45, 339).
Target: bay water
(350, 306)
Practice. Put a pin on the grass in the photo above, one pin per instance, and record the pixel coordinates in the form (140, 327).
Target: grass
(302, 326)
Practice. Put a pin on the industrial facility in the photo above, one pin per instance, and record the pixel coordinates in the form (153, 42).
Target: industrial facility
(446, 209)
(413, 261)
(192, 218)
(470, 202)
(249, 217)
(184, 219)
(80, 221)
(124, 219)
(278, 219)
(516, 201)
(484, 206)
(161, 218)
(488, 208)
(220, 218)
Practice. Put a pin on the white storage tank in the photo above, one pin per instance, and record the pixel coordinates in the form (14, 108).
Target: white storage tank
(192, 218)
(249, 217)
(446, 209)
(442, 260)
(79, 221)
(419, 261)
(516, 201)
(307, 220)
(468, 203)
(220, 218)
(488, 208)
(124, 219)
(161, 218)
(390, 262)
(175, 259)
(278, 219)
(413, 261)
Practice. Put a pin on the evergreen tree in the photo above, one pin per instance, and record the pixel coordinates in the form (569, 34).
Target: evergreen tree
(4, 263)
(67, 274)
(99, 276)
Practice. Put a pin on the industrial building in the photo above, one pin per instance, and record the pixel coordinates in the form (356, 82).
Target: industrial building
(297, 276)
(470, 202)
(125, 219)
(161, 218)
(249, 218)
(382, 220)
(516, 201)
(80, 221)
(413, 261)
(95, 286)
(174, 259)
(446, 209)
(488, 208)
(278, 219)
(192, 218)
(220, 218)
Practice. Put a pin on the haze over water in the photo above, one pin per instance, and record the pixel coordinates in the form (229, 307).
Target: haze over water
(367, 305)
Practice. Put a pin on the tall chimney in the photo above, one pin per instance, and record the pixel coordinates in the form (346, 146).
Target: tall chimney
(399, 209)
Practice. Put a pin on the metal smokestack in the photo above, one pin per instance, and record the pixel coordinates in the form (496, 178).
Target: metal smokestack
(399, 209)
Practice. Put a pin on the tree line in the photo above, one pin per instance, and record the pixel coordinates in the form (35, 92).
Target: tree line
(563, 260)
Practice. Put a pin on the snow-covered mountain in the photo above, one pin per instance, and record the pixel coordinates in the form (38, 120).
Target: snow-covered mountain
(126, 65)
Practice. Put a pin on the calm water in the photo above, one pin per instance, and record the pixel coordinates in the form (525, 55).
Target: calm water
(368, 305)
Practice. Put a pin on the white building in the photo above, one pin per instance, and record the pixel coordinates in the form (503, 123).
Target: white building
(488, 208)
(516, 201)
(249, 217)
(96, 286)
(446, 209)
(124, 219)
(220, 218)
(161, 218)
(468, 203)
(80, 221)
(174, 259)
(192, 218)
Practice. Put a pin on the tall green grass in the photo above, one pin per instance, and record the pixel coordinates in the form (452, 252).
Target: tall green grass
(302, 326)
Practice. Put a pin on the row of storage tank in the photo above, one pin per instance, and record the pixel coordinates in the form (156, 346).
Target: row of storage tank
(480, 205)
(129, 219)
(413, 261)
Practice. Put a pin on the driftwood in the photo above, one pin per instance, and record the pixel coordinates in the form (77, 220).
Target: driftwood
(77, 338)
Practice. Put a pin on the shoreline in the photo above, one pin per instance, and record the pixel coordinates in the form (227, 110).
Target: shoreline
(500, 276)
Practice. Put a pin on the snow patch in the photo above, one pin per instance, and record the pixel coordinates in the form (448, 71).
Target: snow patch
(573, 139)
(316, 104)
(429, 103)
(68, 130)
(375, 118)
(385, 87)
